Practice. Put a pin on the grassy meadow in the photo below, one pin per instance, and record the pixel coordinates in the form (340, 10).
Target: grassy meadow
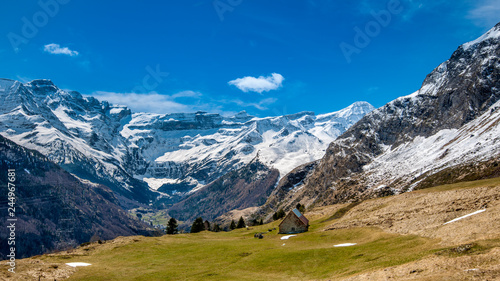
(237, 255)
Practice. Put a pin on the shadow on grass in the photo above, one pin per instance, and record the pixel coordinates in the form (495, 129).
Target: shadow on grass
(341, 212)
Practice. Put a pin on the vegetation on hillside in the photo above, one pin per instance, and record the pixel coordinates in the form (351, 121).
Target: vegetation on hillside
(237, 255)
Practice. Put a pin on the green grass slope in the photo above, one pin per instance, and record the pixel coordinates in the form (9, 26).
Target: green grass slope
(237, 255)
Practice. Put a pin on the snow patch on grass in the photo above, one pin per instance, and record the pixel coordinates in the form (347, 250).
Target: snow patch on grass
(75, 264)
(286, 237)
(345, 245)
(466, 216)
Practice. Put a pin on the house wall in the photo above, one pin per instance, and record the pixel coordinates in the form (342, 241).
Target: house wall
(292, 224)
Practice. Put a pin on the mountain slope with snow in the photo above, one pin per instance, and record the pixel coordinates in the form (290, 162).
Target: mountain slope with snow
(175, 154)
(202, 147)
(79, 134)
(55, 210)
(452, 121)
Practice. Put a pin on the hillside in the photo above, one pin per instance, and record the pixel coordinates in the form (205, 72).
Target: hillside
(402, 237)
(246, 187)
(447, 131)
(54, 209)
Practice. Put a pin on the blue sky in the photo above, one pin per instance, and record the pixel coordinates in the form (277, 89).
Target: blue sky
(265, 57)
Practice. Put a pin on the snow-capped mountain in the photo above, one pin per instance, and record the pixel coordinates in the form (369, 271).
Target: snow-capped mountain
(185, 151)
(172, 153)
(56, 210)
(80, 134)
(452, 122)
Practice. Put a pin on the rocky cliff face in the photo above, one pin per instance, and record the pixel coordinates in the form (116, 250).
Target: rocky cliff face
(175, 154)
(55, 210)
(285, 193)
(182, 152)
(80, 134)
(454, 119)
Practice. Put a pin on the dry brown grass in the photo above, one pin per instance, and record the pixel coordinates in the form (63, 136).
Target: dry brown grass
(35, 269)
(436, 268)
(424, 213)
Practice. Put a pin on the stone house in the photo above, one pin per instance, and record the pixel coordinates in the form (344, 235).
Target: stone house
(294, 222)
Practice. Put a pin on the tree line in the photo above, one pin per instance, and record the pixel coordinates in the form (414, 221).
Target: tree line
(200, 225)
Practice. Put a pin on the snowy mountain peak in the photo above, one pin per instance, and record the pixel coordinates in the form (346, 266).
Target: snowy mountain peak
(451, 122)
(470, 59)
(6, 84)
(41, 84)
(241, 114)
(357, 108)
(492, 34)
(174, 153)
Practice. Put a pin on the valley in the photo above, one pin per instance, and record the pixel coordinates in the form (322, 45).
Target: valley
(405, 242)
(406, 191)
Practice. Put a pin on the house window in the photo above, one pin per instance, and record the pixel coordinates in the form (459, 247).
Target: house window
(293, 228)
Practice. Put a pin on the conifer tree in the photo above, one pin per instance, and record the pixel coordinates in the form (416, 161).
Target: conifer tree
(197, 226)
(216, 227)
(172, 226)
(241, 223)
(301, 208)
(279, 215)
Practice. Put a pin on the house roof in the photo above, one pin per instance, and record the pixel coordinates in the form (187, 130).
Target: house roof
(299, 215)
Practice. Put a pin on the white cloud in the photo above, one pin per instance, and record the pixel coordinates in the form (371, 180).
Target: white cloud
(261, 105)
(486, 13)
(56, 49)
(187, 94)
(181, 102)
(151, 102)
(24, 79)
(260, 84)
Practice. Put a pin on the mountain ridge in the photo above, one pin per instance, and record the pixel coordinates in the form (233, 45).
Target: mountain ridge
(145, 156)
(54, 210)
(453, 120)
